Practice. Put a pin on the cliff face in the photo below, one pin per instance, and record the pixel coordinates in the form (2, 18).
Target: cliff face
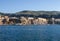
(36, 15)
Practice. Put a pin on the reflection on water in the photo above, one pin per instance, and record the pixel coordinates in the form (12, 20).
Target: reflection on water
(30, 33)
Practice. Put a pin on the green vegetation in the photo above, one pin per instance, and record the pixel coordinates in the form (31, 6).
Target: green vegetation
(27, 13)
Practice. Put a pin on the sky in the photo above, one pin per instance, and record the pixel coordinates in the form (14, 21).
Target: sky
(12, 6)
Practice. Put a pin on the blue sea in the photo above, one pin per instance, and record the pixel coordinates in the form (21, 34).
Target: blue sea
(30, 33)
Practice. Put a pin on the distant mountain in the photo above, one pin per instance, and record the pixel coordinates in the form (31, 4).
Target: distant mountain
(38, 12)
(46, 14)
(1, 13)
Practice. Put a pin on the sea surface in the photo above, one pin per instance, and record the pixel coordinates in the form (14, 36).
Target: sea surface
(30, 33)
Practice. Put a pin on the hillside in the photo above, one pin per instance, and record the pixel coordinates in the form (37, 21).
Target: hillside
(47, 14)
(39, 12)
(28, 13)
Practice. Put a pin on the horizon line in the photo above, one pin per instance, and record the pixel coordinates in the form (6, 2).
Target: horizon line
(29, 10)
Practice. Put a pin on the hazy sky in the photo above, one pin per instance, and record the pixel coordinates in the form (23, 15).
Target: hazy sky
(19, 5)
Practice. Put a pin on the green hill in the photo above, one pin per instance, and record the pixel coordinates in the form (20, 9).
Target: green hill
(27, 13)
